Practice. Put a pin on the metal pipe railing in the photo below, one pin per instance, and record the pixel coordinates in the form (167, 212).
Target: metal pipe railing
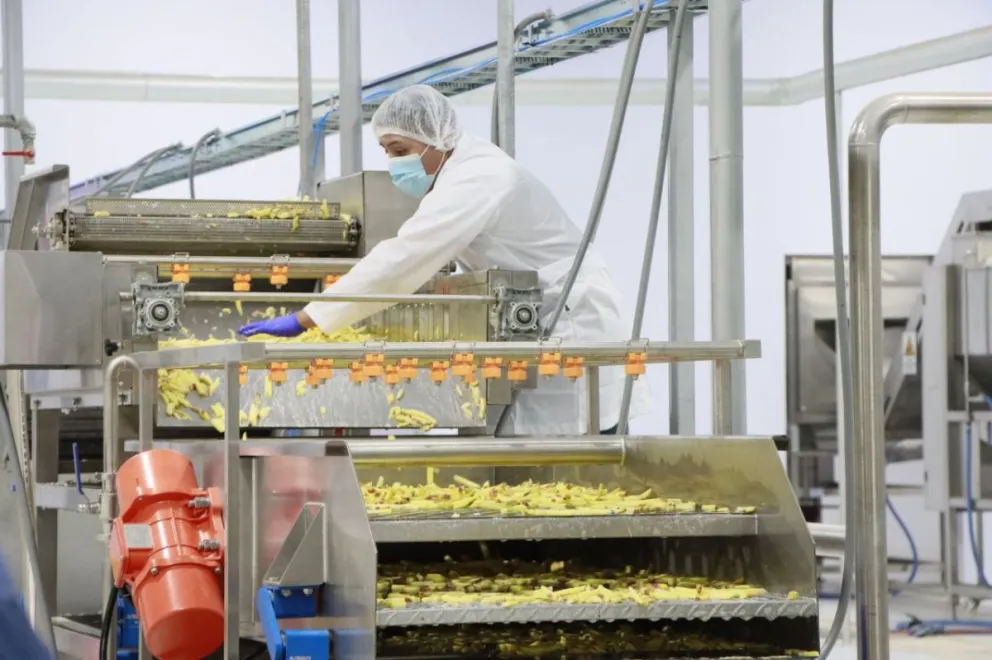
(299, 267)
(263, 297)
(867, 438)
(593, 352)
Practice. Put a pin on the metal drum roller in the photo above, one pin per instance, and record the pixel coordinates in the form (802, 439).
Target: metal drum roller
(230, 228)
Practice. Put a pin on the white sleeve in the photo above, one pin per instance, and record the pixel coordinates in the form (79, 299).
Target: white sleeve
(449, 218)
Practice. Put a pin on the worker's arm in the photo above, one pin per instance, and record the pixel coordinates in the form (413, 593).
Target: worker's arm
(17, 640)
(448, 219)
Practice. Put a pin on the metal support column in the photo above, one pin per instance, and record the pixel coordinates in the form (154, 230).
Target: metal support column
(304, 85)
(593, 421)
(12, 19)
(681, 246)
(350, 82)
(723, 412)
(232, 514)
(505, 100)
(727, 189)
(45, 468)
(843, 473)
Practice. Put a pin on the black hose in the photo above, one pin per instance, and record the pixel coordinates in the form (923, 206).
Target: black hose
(204, 139)
(520, 27)
(108, 619)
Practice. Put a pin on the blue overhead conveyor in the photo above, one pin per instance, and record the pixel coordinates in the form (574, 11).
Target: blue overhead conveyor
(584, 30)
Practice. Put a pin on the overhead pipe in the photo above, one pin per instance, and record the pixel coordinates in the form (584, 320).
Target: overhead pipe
(867, 439)
(773, 92)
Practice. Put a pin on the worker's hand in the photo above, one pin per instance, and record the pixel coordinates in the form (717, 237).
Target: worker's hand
(281, 326)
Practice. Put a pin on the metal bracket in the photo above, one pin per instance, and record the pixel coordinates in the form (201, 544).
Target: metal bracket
(300, 561)
(156, 307)
(516, 317)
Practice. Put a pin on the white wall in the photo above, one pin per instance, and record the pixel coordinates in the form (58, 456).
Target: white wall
(926, 169)
(786, 205)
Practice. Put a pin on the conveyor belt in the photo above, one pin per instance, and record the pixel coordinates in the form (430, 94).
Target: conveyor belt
(769, 607)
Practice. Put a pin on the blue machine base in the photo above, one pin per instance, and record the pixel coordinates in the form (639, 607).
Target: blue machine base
(273, 603)
(128, 629)
(276, 603)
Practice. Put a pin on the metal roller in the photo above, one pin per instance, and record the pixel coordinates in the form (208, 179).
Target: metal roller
(228, 236)
(207, 227)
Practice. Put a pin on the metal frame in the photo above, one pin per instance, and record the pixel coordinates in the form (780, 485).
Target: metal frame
(230, 357)
(588, 29)
(868, 482)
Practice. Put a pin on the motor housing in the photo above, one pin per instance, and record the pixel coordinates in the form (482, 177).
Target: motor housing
(166, 547)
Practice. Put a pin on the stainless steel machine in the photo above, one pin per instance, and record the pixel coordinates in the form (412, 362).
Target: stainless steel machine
(936, 390)
(953, 324)
(811, 368)
(119, 336)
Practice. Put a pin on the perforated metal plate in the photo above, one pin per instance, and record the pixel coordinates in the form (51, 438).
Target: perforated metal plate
(188, 208)
(754, 608)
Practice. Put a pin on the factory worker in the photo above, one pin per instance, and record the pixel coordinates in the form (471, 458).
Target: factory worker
(17, 639)
(480, 207)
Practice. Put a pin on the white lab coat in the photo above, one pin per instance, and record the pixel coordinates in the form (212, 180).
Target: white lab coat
(486, 211)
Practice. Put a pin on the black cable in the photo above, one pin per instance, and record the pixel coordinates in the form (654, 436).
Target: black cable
(108, 619)
(204, 139)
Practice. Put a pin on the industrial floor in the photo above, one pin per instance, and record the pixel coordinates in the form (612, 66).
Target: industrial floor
(904, 647)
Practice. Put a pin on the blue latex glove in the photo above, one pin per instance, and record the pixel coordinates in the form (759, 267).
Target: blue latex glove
(281, 326)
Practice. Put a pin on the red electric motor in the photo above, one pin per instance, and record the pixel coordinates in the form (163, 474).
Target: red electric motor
(167, 548)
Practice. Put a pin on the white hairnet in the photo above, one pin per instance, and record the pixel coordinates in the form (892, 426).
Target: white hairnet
(420, 113)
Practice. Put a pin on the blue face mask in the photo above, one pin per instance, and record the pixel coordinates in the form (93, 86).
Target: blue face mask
(409, 175)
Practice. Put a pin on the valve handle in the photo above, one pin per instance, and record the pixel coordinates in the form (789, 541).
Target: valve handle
(77, 467)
